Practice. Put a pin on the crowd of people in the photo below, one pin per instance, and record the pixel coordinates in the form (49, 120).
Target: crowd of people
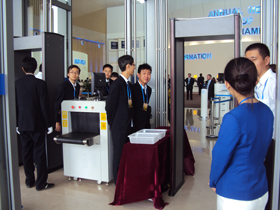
(242, 158)
(125, 103)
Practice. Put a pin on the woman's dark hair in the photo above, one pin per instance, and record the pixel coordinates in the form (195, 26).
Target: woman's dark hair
(241, 74)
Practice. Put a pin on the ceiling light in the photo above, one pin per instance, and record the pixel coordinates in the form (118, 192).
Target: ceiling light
(141, 1)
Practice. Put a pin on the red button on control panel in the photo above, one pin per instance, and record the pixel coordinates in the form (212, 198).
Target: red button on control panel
(72, 107)
(79, 107)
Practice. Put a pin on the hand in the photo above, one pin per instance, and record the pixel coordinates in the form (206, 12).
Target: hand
(214, 189)
(50, 130)
(17, 130)
(57, 127)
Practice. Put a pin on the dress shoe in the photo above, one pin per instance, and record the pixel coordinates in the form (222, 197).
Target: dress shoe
(48, 186)
(30, 185)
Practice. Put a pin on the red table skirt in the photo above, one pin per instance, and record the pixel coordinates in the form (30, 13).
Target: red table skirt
(144, 169)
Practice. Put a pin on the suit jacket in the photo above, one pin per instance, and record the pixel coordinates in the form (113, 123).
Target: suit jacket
(65, 91)
(141, 118)
(200, 81)
(119, 114)
(106, 89)
(32, 104)
(237, 169)
(210, 89)
(190, 85)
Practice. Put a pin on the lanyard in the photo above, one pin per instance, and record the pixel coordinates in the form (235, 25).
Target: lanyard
(147, 97)
(107, 89)
(244, 100)
(128, 92)
(263, 90)
(74, 92)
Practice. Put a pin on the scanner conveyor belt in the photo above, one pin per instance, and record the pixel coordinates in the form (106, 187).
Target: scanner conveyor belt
(83, 138)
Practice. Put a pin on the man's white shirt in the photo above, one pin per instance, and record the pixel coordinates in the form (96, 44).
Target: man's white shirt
(265, 91)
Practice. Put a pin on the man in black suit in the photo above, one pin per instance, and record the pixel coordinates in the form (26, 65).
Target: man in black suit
(200, 82)
(107, 69)
(68, 90)
(209, 84)
(33, 120)
(119, 109)
(141, 94)
(189, 83)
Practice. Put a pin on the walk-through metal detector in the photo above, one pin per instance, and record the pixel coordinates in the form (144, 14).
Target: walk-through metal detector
(181, 30)
(52, 47)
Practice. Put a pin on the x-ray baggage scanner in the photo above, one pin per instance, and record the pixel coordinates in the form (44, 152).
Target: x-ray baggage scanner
(87, 148)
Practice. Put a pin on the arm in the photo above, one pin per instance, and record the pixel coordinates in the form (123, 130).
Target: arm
(224, 148)
(112, 103)
(45, 104)
(57, 107)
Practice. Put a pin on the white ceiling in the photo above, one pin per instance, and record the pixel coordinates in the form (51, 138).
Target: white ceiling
(83, 7)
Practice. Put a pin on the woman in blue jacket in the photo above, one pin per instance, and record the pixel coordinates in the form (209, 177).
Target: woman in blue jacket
(238, 173)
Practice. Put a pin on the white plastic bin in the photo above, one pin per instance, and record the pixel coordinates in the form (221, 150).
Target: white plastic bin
(144, 138)
(161, 132)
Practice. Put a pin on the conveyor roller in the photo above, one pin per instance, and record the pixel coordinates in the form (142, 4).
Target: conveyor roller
(83, 138)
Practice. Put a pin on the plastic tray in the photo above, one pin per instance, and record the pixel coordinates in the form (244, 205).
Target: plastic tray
(161, 132)
(144, 138)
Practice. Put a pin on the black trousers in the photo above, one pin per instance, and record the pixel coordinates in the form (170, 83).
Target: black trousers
(199, 89)
(33, 151)
(189, 90)
(269, 165)
(119, 140)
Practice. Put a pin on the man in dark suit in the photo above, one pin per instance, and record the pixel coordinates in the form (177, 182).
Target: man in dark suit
(209, 84)
(189, 83)
(33, 120)
(107, 69)
(200, 82)
(119, 109)
(68, 90)
(141, 94)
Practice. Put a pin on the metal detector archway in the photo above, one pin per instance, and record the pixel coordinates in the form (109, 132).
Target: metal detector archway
(181, 30)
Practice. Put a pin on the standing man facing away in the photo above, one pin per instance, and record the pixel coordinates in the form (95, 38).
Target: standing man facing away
(33, 120)
(209, 84)
(265, 91)
(200, 82)
(189, 83)
(119, 109)
(107, 69)
(141, 94)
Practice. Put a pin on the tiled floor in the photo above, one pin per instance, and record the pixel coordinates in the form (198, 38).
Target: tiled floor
(86, 194)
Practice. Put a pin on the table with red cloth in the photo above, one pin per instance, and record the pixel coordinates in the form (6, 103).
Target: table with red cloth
(145, 168)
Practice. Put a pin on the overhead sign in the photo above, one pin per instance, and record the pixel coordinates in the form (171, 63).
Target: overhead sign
(245, 20)
(198, 56)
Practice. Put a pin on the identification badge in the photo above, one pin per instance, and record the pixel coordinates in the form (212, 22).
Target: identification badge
(129, 103)
(145, 106)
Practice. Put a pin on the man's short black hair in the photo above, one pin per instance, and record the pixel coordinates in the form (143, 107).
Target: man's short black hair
(114, 74)
(144, 66)
(109, 66)
(200, 74)
(262, 48)
(29, 64)
(73, 66)
(209, 75)
(124, 60)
